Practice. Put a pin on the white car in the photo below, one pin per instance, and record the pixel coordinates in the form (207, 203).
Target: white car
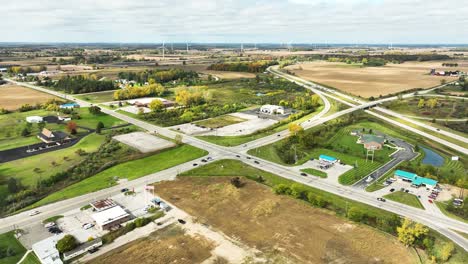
(49, 225)
(34, 213)
(87, 226)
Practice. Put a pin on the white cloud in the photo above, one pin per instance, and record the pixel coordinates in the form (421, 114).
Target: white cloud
(341, 21)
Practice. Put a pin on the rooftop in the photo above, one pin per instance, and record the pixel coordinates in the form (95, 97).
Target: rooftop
(110, 215)
(101, 205)
(368, 138)
(329, 158)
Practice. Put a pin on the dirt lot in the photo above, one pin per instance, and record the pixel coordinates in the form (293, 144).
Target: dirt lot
(373, 81)
(13, 96)
(280, 226)
(169, 245)
(229, 75)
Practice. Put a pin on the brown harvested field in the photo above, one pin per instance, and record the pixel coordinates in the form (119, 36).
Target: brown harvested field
(280, 225)
(168, 245)
(13, 96)
(373, 81)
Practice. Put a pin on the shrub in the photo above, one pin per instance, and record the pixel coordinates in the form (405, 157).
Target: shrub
(282, 189)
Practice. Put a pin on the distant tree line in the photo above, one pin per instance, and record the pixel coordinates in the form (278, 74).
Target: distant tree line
(26, 70)
(159, 76)
(81, 84)
(254, 66)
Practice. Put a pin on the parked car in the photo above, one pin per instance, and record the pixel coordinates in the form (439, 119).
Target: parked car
(430, 201)
(87, 226)
(55, 230)
(34, 213)
(91, 251)
(392, 189)
(49, 225)
(124, 190)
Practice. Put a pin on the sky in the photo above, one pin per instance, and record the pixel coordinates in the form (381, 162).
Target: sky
(235, 21)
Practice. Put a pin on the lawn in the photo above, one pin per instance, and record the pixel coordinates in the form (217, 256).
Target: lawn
(405, 198)
(129, 170)
(99, 97)
(31, 259)
(89, 120)
(23, 169)
(446, 108)
(315, 172)
(220, 121)
(8, 240)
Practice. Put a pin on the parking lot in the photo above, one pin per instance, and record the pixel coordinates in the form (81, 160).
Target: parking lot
(72, 221)
(333, 172)
(144, 142)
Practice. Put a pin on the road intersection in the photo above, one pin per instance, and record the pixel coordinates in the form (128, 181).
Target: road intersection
(440, 223)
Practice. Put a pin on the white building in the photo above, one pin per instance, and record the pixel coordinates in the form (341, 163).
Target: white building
(111, 217)
(272, 109)
(34, 119)
(46, 251)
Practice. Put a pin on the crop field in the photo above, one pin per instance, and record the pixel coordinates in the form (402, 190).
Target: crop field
(281, 227)
(220, 121)
(13, 96)
(372, 81)
(168, 245)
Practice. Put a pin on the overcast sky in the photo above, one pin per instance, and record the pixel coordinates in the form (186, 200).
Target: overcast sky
(295, 21)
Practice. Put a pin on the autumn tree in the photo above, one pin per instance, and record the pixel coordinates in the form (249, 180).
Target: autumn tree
(156, 105)
(295, 128)
(72, 127)
(447, 251)
(432, 103)
(178, 139)
(410, 231)
(421, 103)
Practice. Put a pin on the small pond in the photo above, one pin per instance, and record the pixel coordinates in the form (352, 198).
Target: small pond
(432, 158)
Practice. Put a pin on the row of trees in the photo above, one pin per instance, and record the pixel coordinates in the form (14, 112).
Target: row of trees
(25, 70)
(431, 103)
(82, 84)
(159, 76)
(254, 67)
(130, 92)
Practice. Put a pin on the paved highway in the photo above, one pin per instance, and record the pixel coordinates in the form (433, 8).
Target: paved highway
(439, 223)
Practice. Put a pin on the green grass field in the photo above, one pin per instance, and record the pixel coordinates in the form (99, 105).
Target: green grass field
(9, 240)
(405, 198)
(315, 172)
(31, 259)
(23, 169)
(129, 170)
(91, 121)
(446, 108)
(220, 121)
(99, 97)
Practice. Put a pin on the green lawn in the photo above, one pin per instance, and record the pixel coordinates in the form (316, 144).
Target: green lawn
(23, 169)
(220, 121)
(315, 172)
(130, 170)
(9, 240)
(99, 97)
(91, 121)
(405, 198)
(31, 259)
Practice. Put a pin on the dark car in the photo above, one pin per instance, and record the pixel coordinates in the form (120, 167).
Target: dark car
(392, 189)
(256, 162)
(195, 164)
(203, 160)
(91, 251)
(249, 158)
(124, 190)
(55, 230)
(238, 156)
(303, 174)
(381, 199)
(407, 191)
(181, 221)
